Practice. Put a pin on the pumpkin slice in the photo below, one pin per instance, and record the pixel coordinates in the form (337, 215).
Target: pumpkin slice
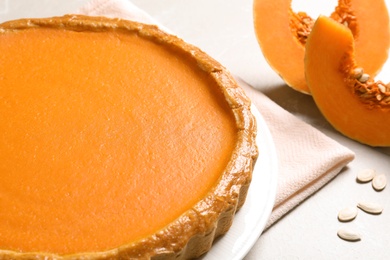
(355, 104)
(282, 35)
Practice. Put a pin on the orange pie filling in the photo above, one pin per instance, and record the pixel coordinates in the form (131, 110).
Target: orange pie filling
(106, 138)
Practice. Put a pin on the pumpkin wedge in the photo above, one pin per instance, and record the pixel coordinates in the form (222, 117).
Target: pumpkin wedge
(282, 34)
(352, 101)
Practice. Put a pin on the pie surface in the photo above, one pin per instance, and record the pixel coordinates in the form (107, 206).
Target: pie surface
(106, 138)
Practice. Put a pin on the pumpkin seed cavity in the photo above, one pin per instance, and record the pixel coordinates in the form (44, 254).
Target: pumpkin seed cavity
(301, 23)
(374, 93)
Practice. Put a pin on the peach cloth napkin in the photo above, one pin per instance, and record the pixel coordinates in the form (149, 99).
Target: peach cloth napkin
(307, 158)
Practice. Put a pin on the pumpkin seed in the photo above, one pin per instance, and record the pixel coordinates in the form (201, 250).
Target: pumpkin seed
(358, 72)
(363, 78)
(367, 95)
(370, 207)
(347, 214)
(362, 89)
(386, 100)
(348, 234)
(382, 88)
(379, 182)
(366, 175)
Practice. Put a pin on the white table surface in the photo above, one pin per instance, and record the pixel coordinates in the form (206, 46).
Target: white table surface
(224, 29)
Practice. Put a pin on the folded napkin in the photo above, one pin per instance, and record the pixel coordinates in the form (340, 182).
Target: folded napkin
(307, 158)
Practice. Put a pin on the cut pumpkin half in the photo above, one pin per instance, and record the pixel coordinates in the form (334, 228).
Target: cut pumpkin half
(282, 35)
(350, 99)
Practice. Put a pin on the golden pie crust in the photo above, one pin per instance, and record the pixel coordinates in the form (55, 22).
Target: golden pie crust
(193, 233)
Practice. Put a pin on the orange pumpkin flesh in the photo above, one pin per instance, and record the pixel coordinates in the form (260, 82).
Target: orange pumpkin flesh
(359, 110)
(282, 35)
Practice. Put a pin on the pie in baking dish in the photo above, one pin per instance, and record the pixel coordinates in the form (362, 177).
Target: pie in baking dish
(118, 140)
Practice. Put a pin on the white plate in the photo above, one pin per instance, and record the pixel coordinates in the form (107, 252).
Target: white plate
(250, 221)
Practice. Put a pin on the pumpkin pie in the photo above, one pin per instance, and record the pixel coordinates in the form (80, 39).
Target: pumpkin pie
(117, 140)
